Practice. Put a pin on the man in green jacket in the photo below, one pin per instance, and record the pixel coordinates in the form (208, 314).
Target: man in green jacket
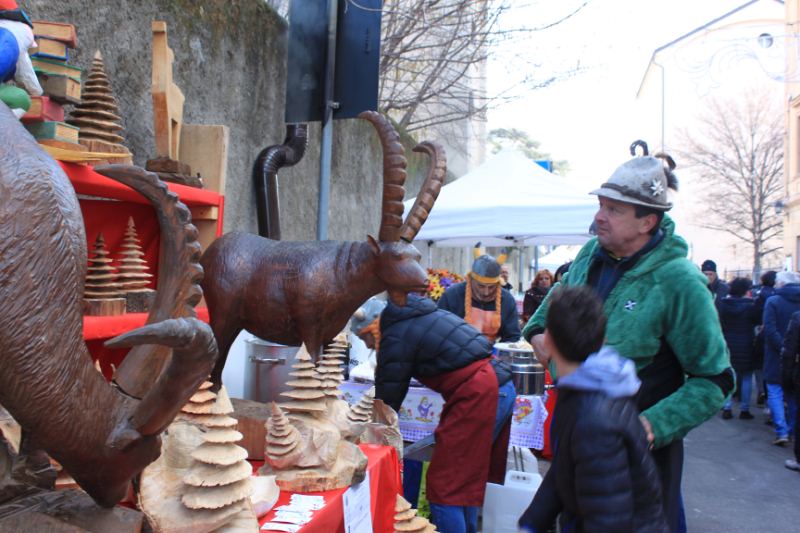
(660, 312)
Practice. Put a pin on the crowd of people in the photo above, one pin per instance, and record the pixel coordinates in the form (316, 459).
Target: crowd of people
(637, 364)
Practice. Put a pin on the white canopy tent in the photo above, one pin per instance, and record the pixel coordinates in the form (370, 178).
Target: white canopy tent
(509, 201)
(556, 258)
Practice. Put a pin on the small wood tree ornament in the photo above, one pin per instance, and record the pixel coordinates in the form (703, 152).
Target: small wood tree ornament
(331, 371)
(101, 294)
(407, 521)
(362, 410)
(133, 273)
(97, 115)
(306, 395)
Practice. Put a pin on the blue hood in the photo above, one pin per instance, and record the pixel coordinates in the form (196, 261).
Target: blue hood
(790, 291)
(605, 371)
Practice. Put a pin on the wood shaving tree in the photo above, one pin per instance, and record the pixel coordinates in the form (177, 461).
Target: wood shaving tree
(738, 154)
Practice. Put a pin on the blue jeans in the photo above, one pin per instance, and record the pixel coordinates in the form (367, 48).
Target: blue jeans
(457, 519)
(783, 419)
(454, 519)
(745, 393)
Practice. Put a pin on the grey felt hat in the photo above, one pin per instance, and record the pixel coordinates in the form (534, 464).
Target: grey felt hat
(366, 314)
(640, 181)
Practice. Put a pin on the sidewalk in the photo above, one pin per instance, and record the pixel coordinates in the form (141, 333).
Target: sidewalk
(734, 479)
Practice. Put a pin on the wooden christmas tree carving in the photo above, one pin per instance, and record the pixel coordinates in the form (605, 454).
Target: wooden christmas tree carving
(283, 440)
(97, 115)
(407, 521)
(362, 410)
(306, 395)
(101, 293)
(133, 273)
(331, 371)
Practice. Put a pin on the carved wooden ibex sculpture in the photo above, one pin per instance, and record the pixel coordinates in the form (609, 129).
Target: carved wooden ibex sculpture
(305, 292)
(102, 436)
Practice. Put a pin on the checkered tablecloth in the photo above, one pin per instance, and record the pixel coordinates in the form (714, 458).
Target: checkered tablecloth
(419, 414)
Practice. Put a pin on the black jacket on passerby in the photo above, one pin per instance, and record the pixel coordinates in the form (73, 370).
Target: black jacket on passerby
(533, 299)
(421, 340)
(603, 477)
(719, 289)
(790, 355)
(758, 353)
(738, 317)
(777, 312)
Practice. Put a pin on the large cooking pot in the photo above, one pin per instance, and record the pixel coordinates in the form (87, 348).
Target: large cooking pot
(527, 374)
(267, 369)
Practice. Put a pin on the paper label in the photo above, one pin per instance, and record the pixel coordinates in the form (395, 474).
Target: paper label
(356, 503)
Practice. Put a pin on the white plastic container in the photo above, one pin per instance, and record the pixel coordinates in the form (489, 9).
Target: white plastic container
(504, 504)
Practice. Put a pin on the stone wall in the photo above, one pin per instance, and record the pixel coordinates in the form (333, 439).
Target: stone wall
(230, 63)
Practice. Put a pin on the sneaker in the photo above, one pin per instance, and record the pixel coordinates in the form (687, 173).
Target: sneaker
(791, 464)
(780, 441)
(726, 414)
(745, 415)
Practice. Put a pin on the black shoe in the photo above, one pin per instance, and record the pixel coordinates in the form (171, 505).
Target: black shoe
(726, 414)
(745, 415)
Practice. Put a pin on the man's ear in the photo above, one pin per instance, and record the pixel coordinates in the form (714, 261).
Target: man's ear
(651, 221)
(374, 244)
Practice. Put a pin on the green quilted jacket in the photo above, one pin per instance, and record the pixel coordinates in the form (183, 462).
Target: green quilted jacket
(663, 296)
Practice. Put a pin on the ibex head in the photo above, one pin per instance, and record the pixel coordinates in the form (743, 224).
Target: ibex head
(398, 260)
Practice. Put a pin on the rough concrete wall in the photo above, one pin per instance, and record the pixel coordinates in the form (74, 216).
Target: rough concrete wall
(230, 63)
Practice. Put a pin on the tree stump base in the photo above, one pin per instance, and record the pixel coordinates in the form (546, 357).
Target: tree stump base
(139, 301)
(103, 307)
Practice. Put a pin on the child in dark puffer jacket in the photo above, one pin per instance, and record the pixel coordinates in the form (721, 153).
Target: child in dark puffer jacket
(602, 477)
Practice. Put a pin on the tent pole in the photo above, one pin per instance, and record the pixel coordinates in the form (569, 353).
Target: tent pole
(521, 271)
(536, 258)
(430, 261)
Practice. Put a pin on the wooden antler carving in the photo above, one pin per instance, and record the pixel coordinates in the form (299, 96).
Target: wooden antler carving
(101, 436)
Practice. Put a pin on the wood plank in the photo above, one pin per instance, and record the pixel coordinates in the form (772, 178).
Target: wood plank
(252, 417)
(205, 213)
(204, 147)
(62, 89)
(43, 109)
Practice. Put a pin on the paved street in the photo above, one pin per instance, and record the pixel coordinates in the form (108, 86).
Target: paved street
(734, 479)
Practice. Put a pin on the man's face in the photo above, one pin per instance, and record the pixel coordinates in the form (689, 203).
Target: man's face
(711, 275)
(484, 292)
(504, 273)
(618, 229)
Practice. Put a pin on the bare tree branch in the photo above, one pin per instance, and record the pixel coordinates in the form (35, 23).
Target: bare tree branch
(738, 152)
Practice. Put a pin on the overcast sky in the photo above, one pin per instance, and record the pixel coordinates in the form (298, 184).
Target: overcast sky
(584, 119)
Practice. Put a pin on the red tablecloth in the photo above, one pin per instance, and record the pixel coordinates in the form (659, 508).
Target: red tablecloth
(385, 484)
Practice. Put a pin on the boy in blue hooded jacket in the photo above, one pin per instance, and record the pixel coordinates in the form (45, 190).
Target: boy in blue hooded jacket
(602, 477)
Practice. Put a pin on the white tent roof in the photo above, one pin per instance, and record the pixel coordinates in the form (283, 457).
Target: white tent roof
(559, 256)
(509, 200)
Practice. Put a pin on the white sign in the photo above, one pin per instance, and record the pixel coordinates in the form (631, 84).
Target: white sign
(356, 503)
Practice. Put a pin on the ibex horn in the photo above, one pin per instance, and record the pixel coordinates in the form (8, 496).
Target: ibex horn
(394, 176)
(428, 192)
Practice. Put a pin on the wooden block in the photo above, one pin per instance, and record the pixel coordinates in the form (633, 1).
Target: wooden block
(98, 146)
(50, 49)
(139, 302)
(205, 149)
(252, 417)
(65, 511)
(53, 130)
(63, 145)
(52, 66)
(104, 307)
(58, 31)
(167, 97)
(165, 164)
(43, 109)
(62, 89)
(207, 212)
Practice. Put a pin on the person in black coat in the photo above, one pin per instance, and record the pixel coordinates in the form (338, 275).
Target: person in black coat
(451, 357)
(739, 316)
(790, 378)
(602, 477)
(767, 289)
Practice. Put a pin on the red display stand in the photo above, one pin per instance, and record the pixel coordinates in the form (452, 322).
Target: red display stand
(384, 482)
(106, 206)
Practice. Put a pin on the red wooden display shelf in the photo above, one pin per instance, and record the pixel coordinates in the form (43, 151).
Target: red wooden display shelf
(106, 327)
(86, 181)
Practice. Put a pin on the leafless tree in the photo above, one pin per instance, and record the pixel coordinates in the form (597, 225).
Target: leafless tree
(433, 55)
(738, 152)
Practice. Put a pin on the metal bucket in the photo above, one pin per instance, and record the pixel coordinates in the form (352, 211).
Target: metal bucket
(527, 374)
(267, 369)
